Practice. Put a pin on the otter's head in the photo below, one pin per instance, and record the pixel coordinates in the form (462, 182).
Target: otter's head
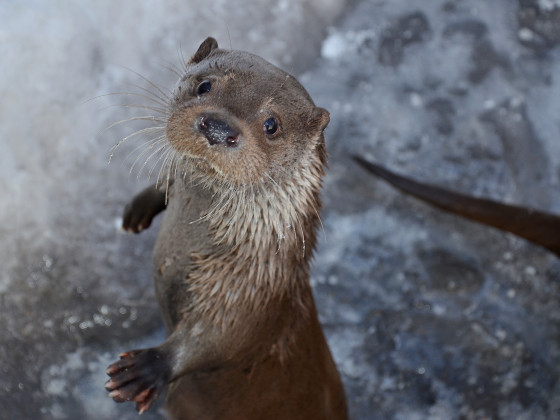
(236, 118)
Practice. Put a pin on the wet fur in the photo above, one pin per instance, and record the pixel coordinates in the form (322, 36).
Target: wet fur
(536, 226)
(231, 262)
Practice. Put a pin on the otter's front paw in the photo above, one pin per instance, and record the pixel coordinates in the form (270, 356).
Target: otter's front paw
(139, 213)
(140, 376)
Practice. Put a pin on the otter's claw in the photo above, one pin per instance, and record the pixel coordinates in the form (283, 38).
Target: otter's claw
(139, 376)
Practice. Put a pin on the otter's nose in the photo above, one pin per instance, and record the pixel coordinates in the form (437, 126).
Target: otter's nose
(217, 131)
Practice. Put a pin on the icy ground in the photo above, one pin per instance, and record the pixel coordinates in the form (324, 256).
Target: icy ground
(428, 316)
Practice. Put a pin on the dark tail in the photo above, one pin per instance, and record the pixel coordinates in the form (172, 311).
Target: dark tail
(534, 225)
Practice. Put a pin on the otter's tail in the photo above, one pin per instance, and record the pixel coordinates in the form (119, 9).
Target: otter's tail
(534, 225)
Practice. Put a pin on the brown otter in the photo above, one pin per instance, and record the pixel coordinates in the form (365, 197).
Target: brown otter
(231, 262)
(536, 226)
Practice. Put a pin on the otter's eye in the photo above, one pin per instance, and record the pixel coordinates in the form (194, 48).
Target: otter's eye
(203, 88)
(270, 126)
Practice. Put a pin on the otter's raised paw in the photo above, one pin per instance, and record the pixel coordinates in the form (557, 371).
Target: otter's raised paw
(139, 213)
(139, 376)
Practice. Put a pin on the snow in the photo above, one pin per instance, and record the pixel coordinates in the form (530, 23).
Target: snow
(549, 5)
(428, 316)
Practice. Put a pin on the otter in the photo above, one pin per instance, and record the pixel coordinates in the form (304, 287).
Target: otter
(232, 256)
(536, 226)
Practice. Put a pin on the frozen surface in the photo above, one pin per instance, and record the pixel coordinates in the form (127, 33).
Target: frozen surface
(428, 316)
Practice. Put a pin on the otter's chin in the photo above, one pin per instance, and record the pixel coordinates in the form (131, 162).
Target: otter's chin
(206, 168)
(202, 166)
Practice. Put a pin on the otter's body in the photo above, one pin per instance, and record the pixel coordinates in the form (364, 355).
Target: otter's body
(231, 262)
(250, 379)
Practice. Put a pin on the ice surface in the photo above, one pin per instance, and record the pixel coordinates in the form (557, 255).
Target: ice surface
(428, 316)
(444, 314)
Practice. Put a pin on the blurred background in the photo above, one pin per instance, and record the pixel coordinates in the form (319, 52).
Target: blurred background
(428, 316)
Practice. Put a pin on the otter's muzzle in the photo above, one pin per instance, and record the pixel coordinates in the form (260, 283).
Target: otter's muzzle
(217, 131)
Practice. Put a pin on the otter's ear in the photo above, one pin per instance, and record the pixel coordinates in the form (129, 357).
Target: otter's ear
(209, 45)
(318, 121)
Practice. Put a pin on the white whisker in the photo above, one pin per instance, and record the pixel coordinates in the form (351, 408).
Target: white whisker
(136, 133)
(163, 104)
(151, 118)
(165, 97)
(163, 111)
(182, 57)
(154, 153)
(172, 68)
(166, 157)
(146, 146)
(162, 157)
(141, 155)
(152, 96)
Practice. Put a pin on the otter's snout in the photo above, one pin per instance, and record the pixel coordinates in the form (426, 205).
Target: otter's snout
(217, 131)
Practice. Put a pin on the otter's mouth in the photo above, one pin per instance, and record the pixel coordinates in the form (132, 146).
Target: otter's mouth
(201, 164)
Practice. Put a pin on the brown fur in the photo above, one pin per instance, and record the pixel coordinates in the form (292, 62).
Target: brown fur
(231, 262)
(536, 226)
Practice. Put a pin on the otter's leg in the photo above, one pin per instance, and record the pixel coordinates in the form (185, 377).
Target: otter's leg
(139, 213)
